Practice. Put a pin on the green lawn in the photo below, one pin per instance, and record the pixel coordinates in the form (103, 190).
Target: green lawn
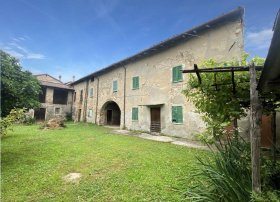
(113, 167)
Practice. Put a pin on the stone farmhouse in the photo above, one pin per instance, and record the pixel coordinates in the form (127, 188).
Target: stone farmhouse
(56, 98)
(144, 92)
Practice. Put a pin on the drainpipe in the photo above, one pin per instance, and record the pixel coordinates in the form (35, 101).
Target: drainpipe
(97, 94)
(85, 102)
(124, 95)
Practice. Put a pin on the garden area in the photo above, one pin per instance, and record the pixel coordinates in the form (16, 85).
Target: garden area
(112, 167)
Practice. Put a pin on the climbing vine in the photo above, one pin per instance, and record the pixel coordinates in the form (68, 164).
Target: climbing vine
(214, 97)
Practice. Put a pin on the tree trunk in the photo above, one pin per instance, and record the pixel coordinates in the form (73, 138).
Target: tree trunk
(255, 130)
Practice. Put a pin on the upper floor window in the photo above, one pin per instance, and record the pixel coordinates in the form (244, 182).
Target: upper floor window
(75, 96)
(177, 74)
(81, 96)
(90, 92)
(115, 86)
(135, 82)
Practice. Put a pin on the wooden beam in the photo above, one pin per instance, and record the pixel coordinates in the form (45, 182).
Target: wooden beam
(197, 73)
(255, 130)
(223, 69)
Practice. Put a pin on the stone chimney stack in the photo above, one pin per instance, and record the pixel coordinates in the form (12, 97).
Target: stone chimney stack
(59, 77)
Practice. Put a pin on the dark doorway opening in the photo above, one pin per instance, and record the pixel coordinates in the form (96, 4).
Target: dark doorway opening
(155, 120)
(40, 114)
(111, 114)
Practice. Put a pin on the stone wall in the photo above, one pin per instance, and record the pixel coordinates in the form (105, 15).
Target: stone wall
(156, 86)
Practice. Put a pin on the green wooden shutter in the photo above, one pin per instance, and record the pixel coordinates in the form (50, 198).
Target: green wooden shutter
(115, 86)
(174, 74)
(135, 82)
(177, 114)
(177, 74)
(174, 114)
(134, 113)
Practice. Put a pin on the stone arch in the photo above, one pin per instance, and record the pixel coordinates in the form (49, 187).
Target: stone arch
(110, 114)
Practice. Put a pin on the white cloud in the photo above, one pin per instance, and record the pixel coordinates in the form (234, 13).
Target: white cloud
(35, 56)
(259, 40)
(15, 49)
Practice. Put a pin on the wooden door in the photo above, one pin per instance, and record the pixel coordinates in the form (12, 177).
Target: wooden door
(155, 120)
(266, 132)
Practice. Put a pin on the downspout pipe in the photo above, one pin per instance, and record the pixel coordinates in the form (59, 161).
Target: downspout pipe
(97, 94)
(85, 102)
(124, 95)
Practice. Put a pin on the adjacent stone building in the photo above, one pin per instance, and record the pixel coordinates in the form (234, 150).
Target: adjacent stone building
(56, 98)
(144, 92)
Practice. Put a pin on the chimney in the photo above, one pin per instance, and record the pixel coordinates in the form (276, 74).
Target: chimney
(73, 78)
(59, 77)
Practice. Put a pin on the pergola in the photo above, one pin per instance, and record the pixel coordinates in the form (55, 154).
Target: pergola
(269, 84)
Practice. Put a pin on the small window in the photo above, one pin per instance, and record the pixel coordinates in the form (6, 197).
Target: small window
(177, 114)
(81, 96)
(57, 110)
(177, 74)
(90, 92)
(90, 113)
(135, 82)
(115, 86)
(134, 114)
(74, 96)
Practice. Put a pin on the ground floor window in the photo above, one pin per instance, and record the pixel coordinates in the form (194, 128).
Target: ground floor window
(90, 113)
(177, 114)
(57, 110)
(134, 114)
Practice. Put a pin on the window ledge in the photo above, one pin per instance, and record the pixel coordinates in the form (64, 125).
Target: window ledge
(177, 123)
(177, 81)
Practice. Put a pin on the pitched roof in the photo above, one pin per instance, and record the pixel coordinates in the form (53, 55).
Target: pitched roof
(47, 80)
(270, 77)
(233, 15)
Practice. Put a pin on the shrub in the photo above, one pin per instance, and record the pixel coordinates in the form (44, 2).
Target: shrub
(15, 116)
(28, 120)
(225, 177)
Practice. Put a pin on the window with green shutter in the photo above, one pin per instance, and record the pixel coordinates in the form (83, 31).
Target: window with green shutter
(91, 92)
(134, 114)
(115, 86)
(135, 82)
(177, 114)
(177, 74)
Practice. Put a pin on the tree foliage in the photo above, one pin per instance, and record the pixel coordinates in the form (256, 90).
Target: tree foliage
(214, 97)
(19, 89)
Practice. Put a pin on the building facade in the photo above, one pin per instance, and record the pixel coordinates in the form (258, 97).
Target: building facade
(144, 92)
(55, 99)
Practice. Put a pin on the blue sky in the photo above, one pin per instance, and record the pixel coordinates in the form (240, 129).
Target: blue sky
(77, 37)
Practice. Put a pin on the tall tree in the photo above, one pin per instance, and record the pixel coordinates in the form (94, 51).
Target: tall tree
(19, 88)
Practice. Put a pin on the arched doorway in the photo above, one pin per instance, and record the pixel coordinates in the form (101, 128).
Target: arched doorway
(110, 114)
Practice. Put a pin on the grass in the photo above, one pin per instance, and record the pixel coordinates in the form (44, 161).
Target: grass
(113, 167)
